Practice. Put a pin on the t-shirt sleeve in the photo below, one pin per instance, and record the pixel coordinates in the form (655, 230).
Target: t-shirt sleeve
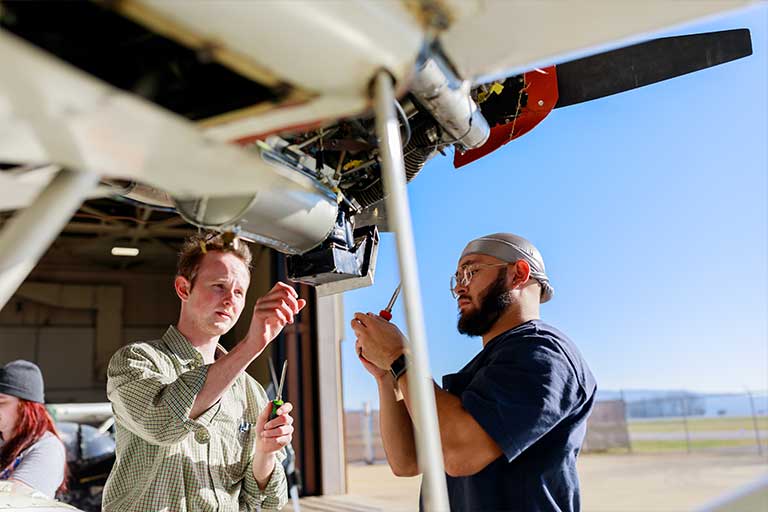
(521, 394)
(42, 467)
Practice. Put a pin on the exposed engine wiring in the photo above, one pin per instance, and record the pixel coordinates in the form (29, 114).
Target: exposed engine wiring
(406, 123)
(340, 165)
(317, 137)
(360, 167)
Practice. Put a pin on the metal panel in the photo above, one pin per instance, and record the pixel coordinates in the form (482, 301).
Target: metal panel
(81, 123)
(513, 36)
(330, 331)
(332, 47)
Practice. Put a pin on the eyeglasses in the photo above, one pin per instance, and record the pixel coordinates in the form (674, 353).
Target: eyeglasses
(464, 275)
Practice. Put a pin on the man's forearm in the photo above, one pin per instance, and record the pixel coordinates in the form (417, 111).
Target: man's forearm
(263, 466)
(221, 375)
(396, 430)
(467, 448)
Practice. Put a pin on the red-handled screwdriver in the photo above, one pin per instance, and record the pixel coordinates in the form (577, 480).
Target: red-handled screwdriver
(386, 313)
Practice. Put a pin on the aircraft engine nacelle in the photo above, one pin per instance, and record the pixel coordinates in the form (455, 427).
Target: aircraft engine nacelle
(296, 213)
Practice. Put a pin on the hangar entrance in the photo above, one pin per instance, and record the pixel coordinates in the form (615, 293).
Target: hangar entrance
(81, 303)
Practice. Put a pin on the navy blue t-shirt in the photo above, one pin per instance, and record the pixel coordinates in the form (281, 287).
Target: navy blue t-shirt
(531, 391)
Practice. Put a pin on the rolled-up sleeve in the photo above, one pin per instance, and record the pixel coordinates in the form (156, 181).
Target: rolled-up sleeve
(275, 493)
(150, 403)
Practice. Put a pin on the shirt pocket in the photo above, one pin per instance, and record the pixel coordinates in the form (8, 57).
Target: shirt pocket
(237, 441)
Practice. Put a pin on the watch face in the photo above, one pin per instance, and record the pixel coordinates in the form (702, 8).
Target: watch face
(398, 367)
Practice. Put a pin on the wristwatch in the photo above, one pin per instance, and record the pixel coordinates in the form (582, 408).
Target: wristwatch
(398, 367)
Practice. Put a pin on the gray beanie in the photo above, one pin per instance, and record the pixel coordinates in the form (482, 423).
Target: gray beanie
(511, 248)
(22, 379)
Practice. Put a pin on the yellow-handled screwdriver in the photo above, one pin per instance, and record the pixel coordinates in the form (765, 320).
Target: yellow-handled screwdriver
(278, 401)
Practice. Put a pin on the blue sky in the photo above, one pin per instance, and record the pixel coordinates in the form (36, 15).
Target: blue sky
(650, 208)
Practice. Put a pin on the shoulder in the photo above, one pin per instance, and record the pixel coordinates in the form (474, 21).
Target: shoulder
(537, 344)
(154, 351)
(42, 465)
(140, 359)
(528, 341)
(49, 445)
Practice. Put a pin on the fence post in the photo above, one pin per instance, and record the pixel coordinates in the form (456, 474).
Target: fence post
(368, 454)
(754, 423)
(626, 420)
(684, 402)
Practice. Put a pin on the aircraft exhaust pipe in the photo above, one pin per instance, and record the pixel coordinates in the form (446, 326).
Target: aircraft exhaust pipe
(448, 99)
(292, 213)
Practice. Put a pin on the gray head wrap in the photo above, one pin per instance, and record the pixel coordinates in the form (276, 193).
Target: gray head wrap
(511, 248)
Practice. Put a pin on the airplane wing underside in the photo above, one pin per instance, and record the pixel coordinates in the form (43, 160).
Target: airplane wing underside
(257, 115)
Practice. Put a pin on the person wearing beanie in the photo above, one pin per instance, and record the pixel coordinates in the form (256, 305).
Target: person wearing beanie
(513, 420)
(31, 451)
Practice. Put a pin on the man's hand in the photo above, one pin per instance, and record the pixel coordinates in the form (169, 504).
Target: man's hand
(273, 312)
(374, 370)
(277, 433)
(379, 342)
(272, 436)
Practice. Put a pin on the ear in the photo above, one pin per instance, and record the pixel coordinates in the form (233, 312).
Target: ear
(183, 288)
(520, 276)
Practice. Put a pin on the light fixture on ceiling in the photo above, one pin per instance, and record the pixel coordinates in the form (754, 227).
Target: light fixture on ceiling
(125, 251)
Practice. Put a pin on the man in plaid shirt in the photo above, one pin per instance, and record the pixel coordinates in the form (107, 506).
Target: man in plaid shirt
(192, 426)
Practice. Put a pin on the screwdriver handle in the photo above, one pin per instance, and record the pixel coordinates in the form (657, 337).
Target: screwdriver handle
(386, 315)
(275, 406)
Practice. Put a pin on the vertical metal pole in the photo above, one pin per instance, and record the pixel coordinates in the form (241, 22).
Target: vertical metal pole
(684, 403)
(27, 236)
(626, 421)
(368, 455)
(754, 423)
(428, 447)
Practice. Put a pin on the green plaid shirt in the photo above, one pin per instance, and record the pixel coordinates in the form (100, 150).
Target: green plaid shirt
(169, 462)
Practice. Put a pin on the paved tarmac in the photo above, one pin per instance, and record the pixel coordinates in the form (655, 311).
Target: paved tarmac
(610, 483)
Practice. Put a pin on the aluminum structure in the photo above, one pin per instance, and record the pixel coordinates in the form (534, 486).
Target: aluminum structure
(428, 446)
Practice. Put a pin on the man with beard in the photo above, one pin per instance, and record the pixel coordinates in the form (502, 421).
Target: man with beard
(512, 421)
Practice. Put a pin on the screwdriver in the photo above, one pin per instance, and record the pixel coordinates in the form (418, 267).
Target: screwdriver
(386, 313)
(278, 401)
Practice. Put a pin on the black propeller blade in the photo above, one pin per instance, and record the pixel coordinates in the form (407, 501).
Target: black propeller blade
(647, 63)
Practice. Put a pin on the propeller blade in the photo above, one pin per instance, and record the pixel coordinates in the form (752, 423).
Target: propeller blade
(646, 63)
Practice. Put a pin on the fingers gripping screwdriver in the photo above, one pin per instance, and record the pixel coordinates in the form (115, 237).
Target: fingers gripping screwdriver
(386, 314)
(278, 401)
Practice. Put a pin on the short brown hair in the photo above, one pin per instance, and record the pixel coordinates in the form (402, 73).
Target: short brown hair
(196, 246)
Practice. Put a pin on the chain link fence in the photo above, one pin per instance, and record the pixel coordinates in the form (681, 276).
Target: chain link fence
(690, 422)
(635, 422)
